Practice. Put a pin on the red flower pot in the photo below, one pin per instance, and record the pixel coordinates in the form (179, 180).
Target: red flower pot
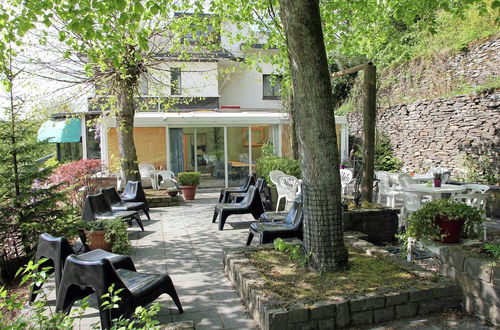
(450, 230)
(172, 193)
(437, 183)
(188, 192)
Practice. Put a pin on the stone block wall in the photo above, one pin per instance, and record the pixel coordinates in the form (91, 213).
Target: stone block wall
(479, 279)
(442, 131)
(430, 77)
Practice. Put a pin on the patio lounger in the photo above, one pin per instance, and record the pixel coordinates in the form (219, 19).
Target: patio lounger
(82, 276)
(97, 208)
(117, 204)
(57, 249)
(291, 226)
(250, 204)
(134, 193)
(225, 192)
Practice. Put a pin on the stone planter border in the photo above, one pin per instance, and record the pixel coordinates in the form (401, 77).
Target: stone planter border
(338, 312)
(479, 279)
(162, 201)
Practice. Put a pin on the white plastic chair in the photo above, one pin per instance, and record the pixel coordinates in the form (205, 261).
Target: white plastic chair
(475, 200)
(405, 180)
(147, 176)
(411, 203)
(167, 179)
(273, 176)
(345, 178)
(475, 188)
(291, 185)
(120, 181)
(386, 190)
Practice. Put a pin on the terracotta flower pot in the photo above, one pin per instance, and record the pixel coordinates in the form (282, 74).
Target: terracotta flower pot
(437, 183)
(95, 240)
(172, 193)
(450, 230)
(188, 192)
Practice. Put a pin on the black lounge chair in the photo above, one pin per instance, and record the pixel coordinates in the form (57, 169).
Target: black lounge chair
(269, 228)
(225, 192)
(81, 276)
(236, 197)
(57, 249)
(250, 204)
(134, 193)
(97, 208)
(117, 204)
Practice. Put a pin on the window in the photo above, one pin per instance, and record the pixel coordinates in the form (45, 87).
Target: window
(175, 81)
(271, 87)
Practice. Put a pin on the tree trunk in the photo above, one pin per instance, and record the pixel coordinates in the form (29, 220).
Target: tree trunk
(315, 129)
(369, 118)
(124, 92)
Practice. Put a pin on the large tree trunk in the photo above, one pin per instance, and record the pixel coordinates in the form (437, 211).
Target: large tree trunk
(124, 92)
(315, 129)
(369, 118)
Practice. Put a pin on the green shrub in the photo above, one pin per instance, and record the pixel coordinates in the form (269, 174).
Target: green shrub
(270, 163)
(189, 178)
(384, 156)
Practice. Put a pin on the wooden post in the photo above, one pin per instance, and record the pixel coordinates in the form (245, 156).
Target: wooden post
(369, 120)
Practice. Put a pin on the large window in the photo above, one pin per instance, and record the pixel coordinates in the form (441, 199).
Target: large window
(175, 81)
(271, 87)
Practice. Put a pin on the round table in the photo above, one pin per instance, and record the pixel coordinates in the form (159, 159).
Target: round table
(434, 192)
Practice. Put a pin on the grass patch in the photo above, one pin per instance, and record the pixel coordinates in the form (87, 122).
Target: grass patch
(366, 274)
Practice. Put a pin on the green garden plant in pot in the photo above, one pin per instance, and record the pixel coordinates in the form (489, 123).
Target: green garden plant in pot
(109, 235)
(172, 191)
(188, 181)
(446, 221)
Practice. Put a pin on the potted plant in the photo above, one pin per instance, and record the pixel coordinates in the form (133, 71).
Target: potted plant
(109, 235)
(172, 191)
(188, 181)
(437, 179)
(444, 220)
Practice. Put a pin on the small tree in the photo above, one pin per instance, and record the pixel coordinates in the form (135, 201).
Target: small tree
(26, 210)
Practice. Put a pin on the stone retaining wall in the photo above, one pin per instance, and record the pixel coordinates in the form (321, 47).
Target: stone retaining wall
(430, 77)
(442, 131)
(480, 282)
(270, 312)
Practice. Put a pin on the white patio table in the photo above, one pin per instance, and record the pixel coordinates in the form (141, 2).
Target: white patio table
(433, 192)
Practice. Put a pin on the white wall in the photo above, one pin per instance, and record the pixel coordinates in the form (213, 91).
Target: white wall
(197, 79)
(244, 88)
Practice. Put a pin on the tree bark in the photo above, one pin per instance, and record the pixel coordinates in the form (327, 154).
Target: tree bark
(124, 92)
(369, 118)
(315, 128)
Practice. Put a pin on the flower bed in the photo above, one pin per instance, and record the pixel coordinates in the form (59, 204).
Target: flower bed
(417, 292)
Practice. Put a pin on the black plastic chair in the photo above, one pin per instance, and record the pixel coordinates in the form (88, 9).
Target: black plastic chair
(250, 204)
(57, 249)
(97, 208)
(117, 204)
(139, 289)
(134, 193)
(237, 197)
(225, 192)
(270, 228)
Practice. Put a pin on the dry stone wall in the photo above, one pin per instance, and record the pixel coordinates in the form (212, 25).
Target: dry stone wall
(440, 131)
(427, 78)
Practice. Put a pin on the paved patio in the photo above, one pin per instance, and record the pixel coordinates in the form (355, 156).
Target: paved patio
(183, 242)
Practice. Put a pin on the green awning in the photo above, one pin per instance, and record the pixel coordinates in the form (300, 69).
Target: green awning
(58, 131)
